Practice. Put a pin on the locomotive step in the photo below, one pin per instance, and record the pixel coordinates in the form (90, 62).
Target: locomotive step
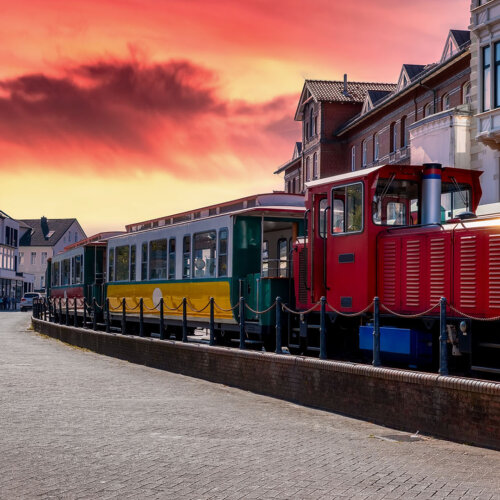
(485, 369)
(491, 345)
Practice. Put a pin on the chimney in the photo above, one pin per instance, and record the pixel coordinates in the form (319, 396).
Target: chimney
(345, 92)
(45, 226)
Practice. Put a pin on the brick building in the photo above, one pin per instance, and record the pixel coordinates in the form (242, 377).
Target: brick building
(423, 117)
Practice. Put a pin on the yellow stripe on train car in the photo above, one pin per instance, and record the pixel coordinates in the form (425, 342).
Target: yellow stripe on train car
(197, 293)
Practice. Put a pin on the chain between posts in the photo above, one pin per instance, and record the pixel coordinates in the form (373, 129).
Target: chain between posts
(475, 318)
(350, 315)
(409, 316)
(196, 310)
(270, 308)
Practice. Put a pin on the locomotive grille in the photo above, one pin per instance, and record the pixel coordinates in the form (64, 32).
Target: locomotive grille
(302, 277)
(437, 269)
(468, 263)
(389, 281)
(494, 271)
(413, 273)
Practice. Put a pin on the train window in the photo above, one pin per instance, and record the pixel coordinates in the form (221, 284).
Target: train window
(144, 262)
(347, 214)
(77, 270)
(186, 256)
(158, 260)
(283, 257)
(223, 252)
(171, 259)
(65, 274)
(265, 259)
(132, 262)
(322, 223)
(55, 274)
(455, 199)
(395, 202)
(122, 263)
(111, 265)
(204, 254)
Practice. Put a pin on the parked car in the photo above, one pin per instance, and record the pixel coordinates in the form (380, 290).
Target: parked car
(27, 300)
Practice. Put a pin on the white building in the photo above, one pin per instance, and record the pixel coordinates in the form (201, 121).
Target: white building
(43, 239)
(13, 282)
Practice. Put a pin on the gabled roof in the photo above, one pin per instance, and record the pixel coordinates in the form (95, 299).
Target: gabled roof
(372, 97)
(56, 229)
(456, 40)
(334, 91)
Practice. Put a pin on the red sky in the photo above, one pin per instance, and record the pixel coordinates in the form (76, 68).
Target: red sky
(119, 111)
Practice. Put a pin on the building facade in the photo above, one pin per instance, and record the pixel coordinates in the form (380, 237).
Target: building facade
(42, 239)
(425, 117)
(485, 90)
(13, 282)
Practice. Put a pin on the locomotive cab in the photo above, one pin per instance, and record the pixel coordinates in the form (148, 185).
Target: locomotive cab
(349, 218)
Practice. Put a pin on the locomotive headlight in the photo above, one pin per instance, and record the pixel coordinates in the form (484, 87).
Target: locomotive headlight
(463, 327)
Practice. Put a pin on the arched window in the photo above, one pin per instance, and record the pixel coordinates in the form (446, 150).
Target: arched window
(376, 147)
(315, 166)
(445, 102)
(311, 121)
(427, 110)
(363, 158)
(308, 170)
(353, 158)
(466, 97)
(394, 137)
(404, 132)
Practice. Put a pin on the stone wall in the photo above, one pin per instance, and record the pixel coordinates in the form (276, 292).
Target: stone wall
(458, 409)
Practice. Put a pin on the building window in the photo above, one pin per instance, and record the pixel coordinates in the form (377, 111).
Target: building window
(497, 74)
(486, 78)
(21, 258)
(404, 133)
(308, 170)
(353, 158)
(427, 110)
(445, 102)
(44, 258)
(311, 121)
(315, 166)
(466, 97)
(33, 258)
(376, 147)
(394, 137)
(363, 157)
(307, 130)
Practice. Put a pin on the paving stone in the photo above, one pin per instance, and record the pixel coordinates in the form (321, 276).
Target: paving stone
(78, 425)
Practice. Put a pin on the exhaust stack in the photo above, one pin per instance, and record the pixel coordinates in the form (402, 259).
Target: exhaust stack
(431, 193)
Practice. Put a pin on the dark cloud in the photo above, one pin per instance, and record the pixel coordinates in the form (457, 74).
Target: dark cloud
(112, 109)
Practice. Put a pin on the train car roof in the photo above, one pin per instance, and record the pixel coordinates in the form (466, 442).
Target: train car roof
(365, 172)
(278, 201)
(98, 239)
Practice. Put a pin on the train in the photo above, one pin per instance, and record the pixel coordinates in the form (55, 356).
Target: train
(407, 235)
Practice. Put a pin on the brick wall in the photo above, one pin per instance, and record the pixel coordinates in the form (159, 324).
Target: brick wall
(462, 410)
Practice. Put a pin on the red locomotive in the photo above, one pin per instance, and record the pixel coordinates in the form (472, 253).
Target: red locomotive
(407, 234)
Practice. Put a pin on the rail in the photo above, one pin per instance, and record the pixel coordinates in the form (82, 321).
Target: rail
(82, 312)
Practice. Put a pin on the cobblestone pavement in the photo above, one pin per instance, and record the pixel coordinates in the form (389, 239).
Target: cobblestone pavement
(75, 424)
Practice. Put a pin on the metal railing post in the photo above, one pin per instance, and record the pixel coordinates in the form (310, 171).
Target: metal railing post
(49, 307)
(279, 345)
(162, 321)
(67, 311)
(184, 320)
(94, 319)
(108, 319)
(124, 317)
(242, 322)
(75, 317)
(45, 310)
(212, 322)
(84, 312)
(60, 312)
(376, 332)
(322, 330)
(141, 317)
(443, 338)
